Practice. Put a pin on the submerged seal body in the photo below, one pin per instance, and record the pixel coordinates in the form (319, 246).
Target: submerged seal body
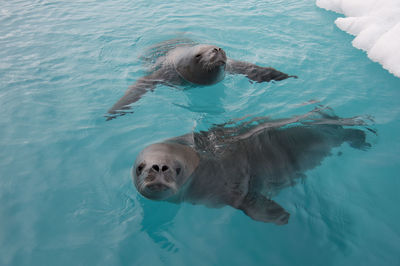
(243, 166)
(200, 64)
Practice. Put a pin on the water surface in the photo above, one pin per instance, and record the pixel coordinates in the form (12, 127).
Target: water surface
(66, 195)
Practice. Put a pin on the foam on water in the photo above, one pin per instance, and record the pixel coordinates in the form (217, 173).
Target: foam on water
(376, 25)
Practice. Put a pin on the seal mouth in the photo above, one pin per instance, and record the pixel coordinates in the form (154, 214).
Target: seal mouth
(156, 187)
(220, 63)
(156, 191)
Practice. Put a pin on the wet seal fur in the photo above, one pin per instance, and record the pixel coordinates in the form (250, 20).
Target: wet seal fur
(189, 63)
(244, 166)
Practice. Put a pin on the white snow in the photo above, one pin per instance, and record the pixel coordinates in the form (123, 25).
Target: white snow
(376, 25)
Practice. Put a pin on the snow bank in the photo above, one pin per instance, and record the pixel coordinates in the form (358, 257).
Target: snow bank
(376, 25)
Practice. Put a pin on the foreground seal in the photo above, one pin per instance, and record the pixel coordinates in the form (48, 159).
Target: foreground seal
(200, 64)
(243, 166)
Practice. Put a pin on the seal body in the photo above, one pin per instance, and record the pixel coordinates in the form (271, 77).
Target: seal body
(194, 64)
(244, 166)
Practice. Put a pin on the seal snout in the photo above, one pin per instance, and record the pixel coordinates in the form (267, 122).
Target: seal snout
(158, 182)
(219, 56)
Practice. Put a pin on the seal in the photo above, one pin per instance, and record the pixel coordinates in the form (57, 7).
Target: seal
(199, 64)
(245, 165)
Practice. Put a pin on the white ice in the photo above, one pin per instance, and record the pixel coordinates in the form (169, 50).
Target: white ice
(376, 25)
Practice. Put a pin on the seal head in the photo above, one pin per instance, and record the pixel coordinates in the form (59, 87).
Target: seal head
(162, 169)
(201, 64)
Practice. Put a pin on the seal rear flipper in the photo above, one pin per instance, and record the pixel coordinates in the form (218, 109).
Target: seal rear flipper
(261, 209)
(356, 138)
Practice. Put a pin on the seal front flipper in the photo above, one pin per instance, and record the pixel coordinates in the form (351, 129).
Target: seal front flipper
(262, 209)
(254, 72)
(133, 94)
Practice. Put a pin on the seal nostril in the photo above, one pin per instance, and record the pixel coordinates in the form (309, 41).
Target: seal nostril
(164, 168)
(215, 50)
(155, 167)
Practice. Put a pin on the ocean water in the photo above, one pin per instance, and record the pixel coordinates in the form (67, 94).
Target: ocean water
(66, 194)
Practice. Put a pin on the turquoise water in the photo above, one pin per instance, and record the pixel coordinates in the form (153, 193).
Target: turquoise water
(66, 195)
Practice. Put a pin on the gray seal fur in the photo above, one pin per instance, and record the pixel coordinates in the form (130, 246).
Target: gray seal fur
(200, 64)
(246, 165)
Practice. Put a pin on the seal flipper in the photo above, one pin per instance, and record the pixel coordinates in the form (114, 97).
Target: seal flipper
(254, 72)
(260, 208)
(356, 138)
(133, 94)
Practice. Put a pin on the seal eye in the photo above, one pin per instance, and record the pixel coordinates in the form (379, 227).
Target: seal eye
(140, 168)
(198, 55)
(178, 170)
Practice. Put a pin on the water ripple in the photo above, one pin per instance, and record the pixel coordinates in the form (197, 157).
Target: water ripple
(66, 194)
